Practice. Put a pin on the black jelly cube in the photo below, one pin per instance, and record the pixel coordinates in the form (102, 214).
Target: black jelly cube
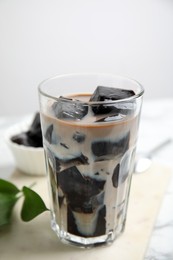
(101, 222)
(105, 150)
(121, 171)
(35, 126)
(51, 135)
(79, 137)
(48, 133)
(66, 163)
(68, 109)
(32, 137)
(81, 192)
(21, 139)
(107, 94)
(115, 176)
(34, 133)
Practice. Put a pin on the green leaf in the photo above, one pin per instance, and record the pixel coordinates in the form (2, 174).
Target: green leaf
(33, 204)
(8, 187)
(8, 198)
(7, 202)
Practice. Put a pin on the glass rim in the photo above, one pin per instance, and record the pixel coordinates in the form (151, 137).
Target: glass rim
(134, 97)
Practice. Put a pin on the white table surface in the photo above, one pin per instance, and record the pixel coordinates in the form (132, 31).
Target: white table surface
(156, 125)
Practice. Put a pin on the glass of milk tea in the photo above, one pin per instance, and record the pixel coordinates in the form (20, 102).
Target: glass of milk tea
(90, 126)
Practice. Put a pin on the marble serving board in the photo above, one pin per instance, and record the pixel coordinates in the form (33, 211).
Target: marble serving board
(35, 239)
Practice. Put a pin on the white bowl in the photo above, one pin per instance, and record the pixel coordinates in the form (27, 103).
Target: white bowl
(29, 160)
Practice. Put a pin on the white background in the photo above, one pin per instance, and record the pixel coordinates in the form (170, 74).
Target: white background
(41, 38)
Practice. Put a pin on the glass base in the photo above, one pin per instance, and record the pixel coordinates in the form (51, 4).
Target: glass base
(91, 242)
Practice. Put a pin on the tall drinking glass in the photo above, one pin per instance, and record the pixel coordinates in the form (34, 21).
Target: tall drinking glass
(90, 127)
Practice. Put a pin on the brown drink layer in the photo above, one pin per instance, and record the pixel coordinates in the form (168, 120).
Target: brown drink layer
(90, 167)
